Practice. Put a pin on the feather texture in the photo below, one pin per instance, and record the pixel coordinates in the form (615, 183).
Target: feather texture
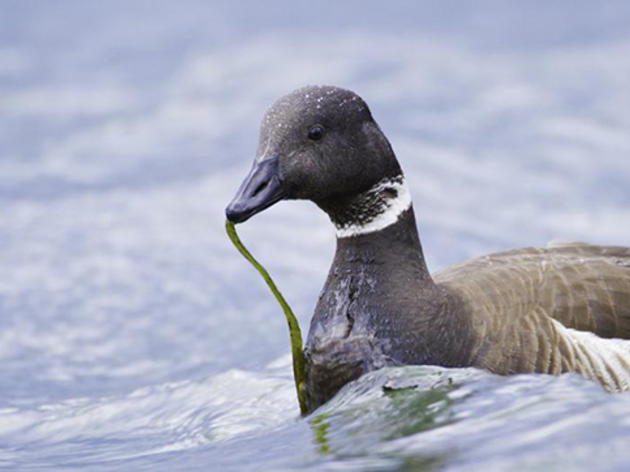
(549, 310)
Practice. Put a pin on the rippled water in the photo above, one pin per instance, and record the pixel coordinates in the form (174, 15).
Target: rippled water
(134, 337)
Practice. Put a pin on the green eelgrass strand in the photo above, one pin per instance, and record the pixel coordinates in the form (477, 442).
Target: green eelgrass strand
(294, 327)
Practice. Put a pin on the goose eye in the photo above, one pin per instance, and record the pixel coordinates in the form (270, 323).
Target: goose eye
(316, 133)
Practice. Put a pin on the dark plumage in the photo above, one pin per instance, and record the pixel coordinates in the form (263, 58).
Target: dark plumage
(548, 310)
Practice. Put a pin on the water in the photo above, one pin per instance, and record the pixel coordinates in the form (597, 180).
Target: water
(134, 337)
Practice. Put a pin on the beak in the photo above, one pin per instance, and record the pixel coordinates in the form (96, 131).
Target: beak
(261, 188)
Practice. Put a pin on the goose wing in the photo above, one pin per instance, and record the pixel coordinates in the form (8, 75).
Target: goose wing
(584, 287)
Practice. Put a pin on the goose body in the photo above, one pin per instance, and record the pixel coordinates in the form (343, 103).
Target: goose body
(561, 308)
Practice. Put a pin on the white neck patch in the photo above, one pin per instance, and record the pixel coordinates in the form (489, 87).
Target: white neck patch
(394, 208)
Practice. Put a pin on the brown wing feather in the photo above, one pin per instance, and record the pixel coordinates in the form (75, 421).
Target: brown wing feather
(585, 287)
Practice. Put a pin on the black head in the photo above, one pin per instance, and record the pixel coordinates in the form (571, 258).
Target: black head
(318, 143)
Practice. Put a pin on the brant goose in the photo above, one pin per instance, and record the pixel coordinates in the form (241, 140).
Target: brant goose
(561, 308)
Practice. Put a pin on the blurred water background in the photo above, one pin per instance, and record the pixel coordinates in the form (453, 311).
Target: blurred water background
(134, 337)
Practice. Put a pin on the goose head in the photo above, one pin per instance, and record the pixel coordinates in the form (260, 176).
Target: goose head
(317, 143)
